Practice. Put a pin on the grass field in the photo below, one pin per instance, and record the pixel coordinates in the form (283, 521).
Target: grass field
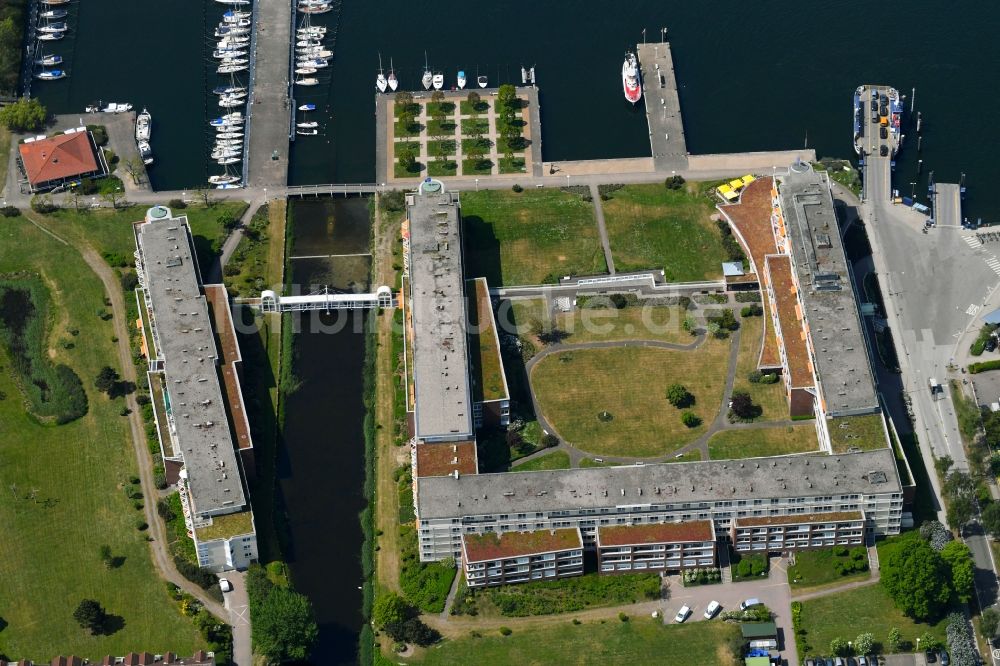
(605, 643)
(49, 558)
(110, 231)
(814, 568)
(573, 387)
(770, 397)
(757, 442)
(663, 323)
(529, 238)
(650, 226)
(554, 460)
(847, 614)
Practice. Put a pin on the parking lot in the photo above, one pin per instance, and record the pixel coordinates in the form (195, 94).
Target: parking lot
(772, 591)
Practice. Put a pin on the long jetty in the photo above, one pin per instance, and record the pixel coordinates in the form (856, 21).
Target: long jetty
(268, 114)
(663, 107)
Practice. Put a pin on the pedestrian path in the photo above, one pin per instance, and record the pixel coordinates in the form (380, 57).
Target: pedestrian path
(973, 241)
(994, 264)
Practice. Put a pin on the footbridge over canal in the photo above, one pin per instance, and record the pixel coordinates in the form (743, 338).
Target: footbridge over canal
(324, 300)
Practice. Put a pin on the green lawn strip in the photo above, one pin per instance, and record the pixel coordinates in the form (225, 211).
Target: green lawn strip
(529, 237)
(424, 584)
(49, 558)
(863, 432)
(496, 454)
(650, 226)
(512, 165)
(467, 109)
(443, 147)
(770, 397)
(502, 146)
(468, 145)
(967, 413)
(400, 109)
(555, 460)
(661, 323)
(576, 593)
(814, 568)
(593, 644)
(477, 167)
(759, 442)
(5, 140)
(446, 108)
(574, 387)
(245, 272)
(846, 614)
(439, 167)
(445, 128)
(470, 125)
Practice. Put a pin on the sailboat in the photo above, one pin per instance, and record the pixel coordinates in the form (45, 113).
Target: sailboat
(380, 81)
(51, 14)
(306, 70)
(461, 79)
(307, 81)
(393, 81)
(307, 107)
(307, 125)
(51, 75)
(51, 36)
(49, 60)
(427, 78)
(59, 26)
(310, 132)
(224, 179)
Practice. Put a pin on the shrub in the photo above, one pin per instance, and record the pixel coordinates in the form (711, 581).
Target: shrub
(622, 616)
(679, 396)
(505, 631)
(179, 204)
(690, 419)
(42, 204)
(24, 115)
(751, 311)
(517, 188)
(769, 378)
(754, 376)
(960, 643)
(141, 525)
(10, 211)
(674, 182)
(976, 368)
(742, 407)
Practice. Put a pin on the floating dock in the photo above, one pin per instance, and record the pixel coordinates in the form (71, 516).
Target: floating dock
(947, 205)
(663, 107)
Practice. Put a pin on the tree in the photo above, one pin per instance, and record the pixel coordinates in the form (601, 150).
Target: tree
(205, 195)
(228, 220)
(24, 115)
(959, 559)
(76, 197)
(437, 97)
(404, 98)
(679, 396)
(742, 406)
(916, 578)
(408, 159)
(929, 642)
(112, 196)
(988, 624)
(690, 419)
(106, 379)
(390, 608)
(839, 647)
(284, 628)
(106, 556)
(959, 490)
(91, 616)
(474, 101)
(894, 640)
(991, 519)
(476, 152)
(133, 166)
(864, 643)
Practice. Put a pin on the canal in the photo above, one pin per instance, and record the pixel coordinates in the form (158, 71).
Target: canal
(321, 469)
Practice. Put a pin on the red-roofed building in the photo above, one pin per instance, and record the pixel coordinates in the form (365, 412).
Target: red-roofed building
(656, 546)
(48, 163)
(519, 557)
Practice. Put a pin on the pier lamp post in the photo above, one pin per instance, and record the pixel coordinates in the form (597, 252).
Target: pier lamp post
(663, 34)
(913, 187)
(477, 184)
(265, 195)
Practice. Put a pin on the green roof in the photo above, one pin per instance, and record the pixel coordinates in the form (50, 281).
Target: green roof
(864, 432)
(755, 630)
(227, 526)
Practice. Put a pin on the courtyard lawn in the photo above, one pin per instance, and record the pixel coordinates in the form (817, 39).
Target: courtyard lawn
(759, 442)
(482, 167)
(401, 130)
(481, 108)
(847, 614)
(650, 226)
(470, 125)
(530, 237)
(512, 165)
(604, 643)
(439, 167)
(63, 489)
(815, 568)
(661, 323)
(574, 388)
(770, 397)
(554, 460)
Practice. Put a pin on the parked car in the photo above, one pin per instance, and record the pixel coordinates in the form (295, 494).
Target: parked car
(991, 343)
(712, 609)
(862, 660)
(225, 585)
(945, 660)
(883, 132)
(753, 601)
(884, 150)
(851, 661)
(930, 656)
(810, 662)
(682, 614)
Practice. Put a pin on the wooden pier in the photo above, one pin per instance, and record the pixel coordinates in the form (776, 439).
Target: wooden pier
(663, 107)
(947, 205)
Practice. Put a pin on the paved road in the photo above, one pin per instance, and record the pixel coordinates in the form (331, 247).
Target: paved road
(237, 604)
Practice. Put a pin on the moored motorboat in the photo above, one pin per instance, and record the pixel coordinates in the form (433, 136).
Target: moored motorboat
(50, 36)
(53, 3)
(228, 186)
(229, 135)
(482, 81)
(228, 90)
(143, 126)
(313, 62)
(306, 125)
(427, 79)
(231, 14)
(305, 70)
(227, 160)
(312, 132)
(228, 53)
(51, 74)
(234, 2)
(231, 69)
(630, 78)
(58, 26)
(317, 52)
(223, 179)
(461, 79)
(145, 152)
(380, 82)
(53, 14)
(438, 81)
(307, 107)
(308, 81)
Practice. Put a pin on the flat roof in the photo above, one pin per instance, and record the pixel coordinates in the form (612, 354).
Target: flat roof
(778, 268)
(865, 472)
(187, 348)
(830, 309)
(445, 458)
(442, 393)
(489, 382)
(636, 535)
(493, 546)
(799, 518)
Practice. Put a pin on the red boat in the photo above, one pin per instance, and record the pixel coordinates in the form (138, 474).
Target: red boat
(630, 78)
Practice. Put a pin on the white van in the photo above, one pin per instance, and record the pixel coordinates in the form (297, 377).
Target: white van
(749, 602)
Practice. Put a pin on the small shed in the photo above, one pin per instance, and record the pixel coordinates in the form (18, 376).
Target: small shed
(753, 631)
(757, 661)
(732, 268)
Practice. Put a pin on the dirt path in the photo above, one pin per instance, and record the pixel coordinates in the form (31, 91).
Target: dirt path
(157, 532)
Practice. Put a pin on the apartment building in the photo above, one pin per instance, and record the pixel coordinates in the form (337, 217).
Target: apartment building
(798, 532)
(657, 546)
(449, 507)
(519, 557)
(200, 415)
